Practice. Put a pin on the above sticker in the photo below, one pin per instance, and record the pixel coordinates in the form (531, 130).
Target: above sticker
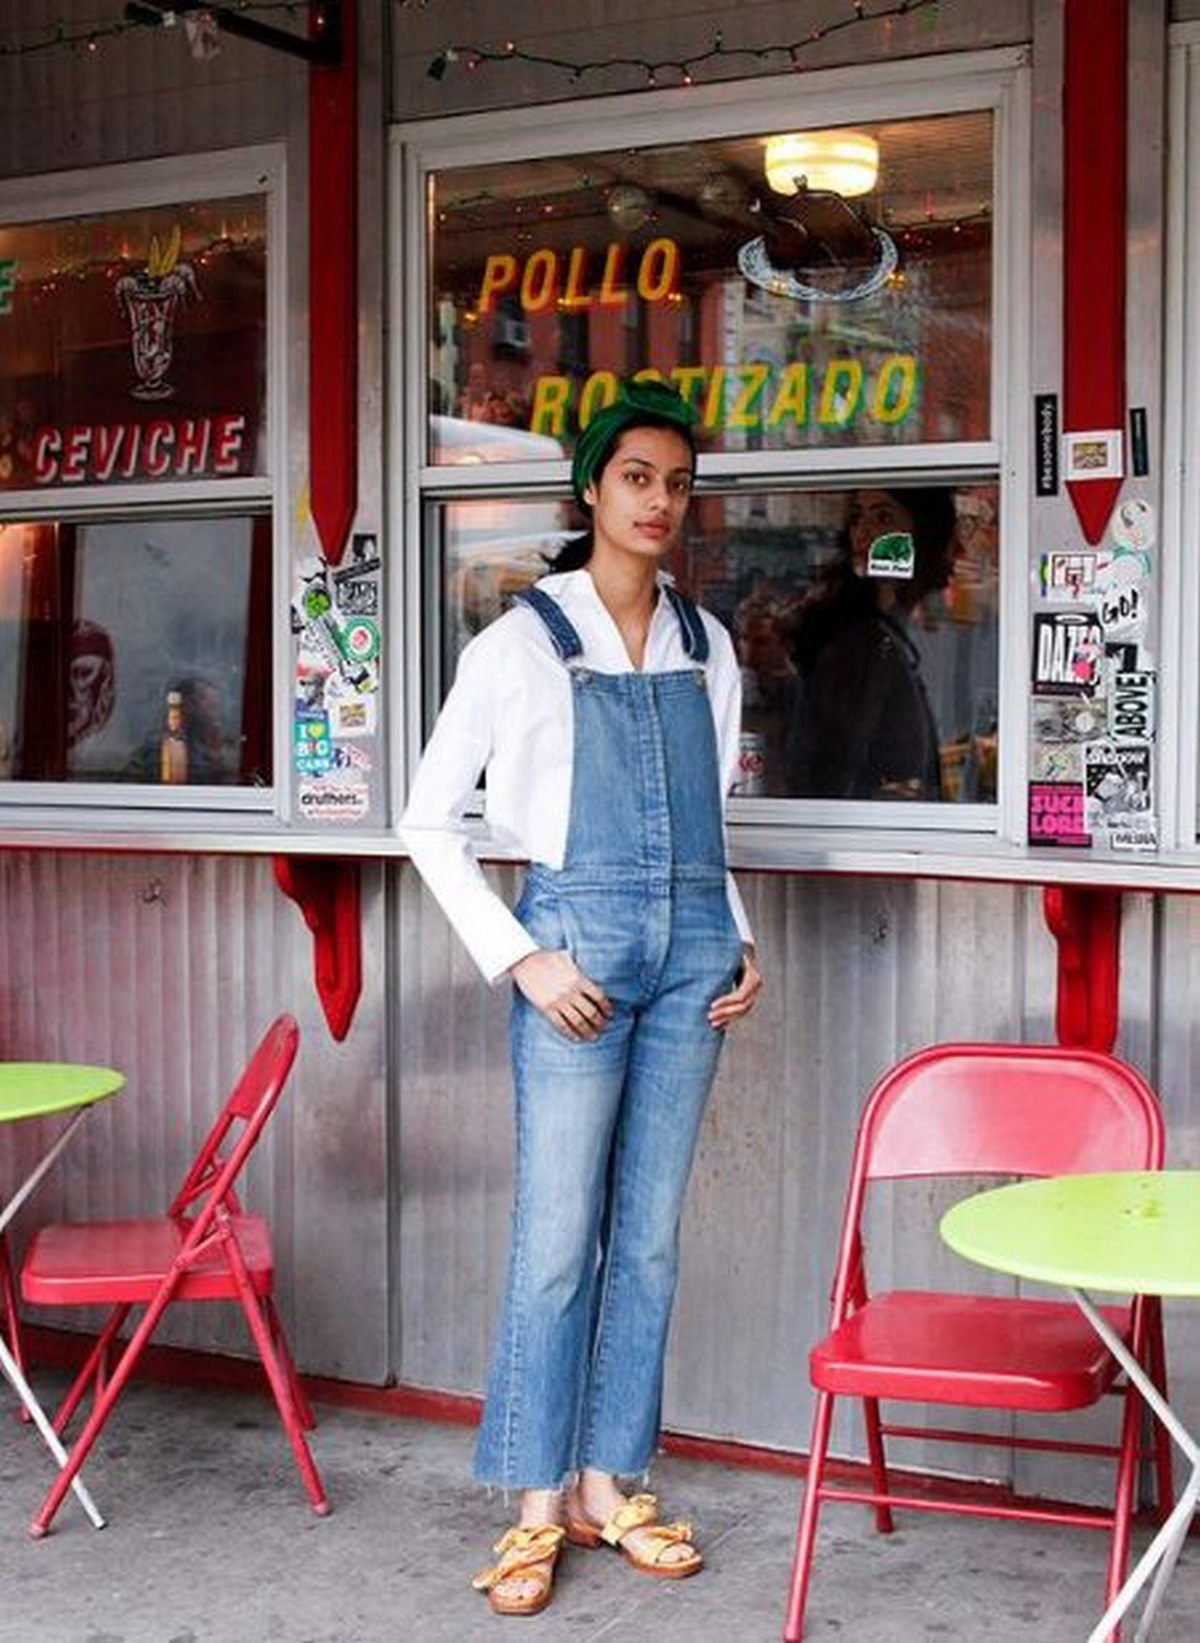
(1131, 707)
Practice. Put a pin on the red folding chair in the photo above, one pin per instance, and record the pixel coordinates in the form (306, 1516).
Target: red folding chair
(205, 1248)
(971, 1110)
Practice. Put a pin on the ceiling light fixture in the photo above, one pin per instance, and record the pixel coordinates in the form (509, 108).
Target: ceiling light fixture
(836, 162)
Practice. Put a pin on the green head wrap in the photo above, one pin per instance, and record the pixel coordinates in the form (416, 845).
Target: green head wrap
(636, 404)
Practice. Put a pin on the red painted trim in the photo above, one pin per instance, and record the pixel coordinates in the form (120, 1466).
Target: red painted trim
(333, 292)
(327, 891)
(1094, 123)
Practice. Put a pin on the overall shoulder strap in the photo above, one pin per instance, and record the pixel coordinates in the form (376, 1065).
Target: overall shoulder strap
(566, 640)
(691, 623)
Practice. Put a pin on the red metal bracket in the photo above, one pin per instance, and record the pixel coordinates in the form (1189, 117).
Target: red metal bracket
(327, 892)
(1085, 921)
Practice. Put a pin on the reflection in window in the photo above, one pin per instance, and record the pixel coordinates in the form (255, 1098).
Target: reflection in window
(865, 621)
(136, 651)
(790, 320)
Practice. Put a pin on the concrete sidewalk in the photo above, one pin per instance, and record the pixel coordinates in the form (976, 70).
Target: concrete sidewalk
(210, 1539)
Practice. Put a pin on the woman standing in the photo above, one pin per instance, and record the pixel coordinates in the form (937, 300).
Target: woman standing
(604, 709)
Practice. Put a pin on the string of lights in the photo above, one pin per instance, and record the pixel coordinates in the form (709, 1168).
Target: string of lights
(89, 37)
(681, 70)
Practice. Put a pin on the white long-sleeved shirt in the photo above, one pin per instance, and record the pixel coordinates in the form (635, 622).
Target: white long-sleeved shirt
(510, 713)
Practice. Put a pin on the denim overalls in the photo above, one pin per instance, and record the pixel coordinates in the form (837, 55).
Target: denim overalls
(606, 1129)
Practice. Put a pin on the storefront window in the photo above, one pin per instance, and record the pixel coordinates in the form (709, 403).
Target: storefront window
(136, 486)
(865, 619)
(134, 346)
(843, 336)
(791, 315)
(130, 651)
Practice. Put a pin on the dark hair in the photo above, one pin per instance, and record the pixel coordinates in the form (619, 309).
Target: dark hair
(934, 522)
(575, 554)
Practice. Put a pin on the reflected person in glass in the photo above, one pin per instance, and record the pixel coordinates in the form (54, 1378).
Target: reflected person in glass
(604, 709)
(865, 729)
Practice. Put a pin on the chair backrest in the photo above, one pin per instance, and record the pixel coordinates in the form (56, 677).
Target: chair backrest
(1009, 1109)
(997, 1109)
(229, 1143)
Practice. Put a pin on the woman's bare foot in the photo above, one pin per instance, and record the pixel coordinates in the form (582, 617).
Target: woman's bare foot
(522, 1580)
(667, 1548)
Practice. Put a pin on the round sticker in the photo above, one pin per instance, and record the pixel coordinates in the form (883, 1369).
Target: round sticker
(1133, 525)
(360, 640)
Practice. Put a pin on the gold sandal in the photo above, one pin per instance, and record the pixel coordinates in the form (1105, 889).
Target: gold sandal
(528, 1554)
(640, 1512)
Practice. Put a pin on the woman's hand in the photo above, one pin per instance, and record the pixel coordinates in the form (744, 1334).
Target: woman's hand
(732, 1006)
(571, 1002)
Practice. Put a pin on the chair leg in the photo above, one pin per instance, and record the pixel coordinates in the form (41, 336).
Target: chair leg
(1127, 1469)
(879, 1477)
(303, 1408)
(106, 1397)
(92, 1372)
(806, 1533)
(276, 1375)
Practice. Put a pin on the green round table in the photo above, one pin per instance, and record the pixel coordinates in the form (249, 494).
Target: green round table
(39, 1089)
(1128, 1232)
(48, 1089)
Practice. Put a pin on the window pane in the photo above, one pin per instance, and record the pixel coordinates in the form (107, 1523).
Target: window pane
(866, 624)
(491, 551)
(136, 651)
(134, 346)
(790, 321)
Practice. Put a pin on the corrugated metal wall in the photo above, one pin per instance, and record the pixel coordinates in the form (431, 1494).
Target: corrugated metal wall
(170, 968)
(860, 972)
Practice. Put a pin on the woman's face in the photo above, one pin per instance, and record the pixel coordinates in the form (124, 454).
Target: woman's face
(640, 498)
(873, 514)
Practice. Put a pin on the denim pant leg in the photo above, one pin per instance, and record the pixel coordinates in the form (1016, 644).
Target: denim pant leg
(567, 1099)
(672, 1062)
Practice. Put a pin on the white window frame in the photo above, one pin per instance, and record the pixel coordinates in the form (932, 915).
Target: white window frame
(1179, 680)
(768, 833)
(134, 186)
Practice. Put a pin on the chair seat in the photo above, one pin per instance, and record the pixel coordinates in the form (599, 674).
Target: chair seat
(116, 1261)
(973, 1350)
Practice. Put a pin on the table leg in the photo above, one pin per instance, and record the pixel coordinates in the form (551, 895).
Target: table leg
(8, 1210)
(49, 1436)
(1160, 1556)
